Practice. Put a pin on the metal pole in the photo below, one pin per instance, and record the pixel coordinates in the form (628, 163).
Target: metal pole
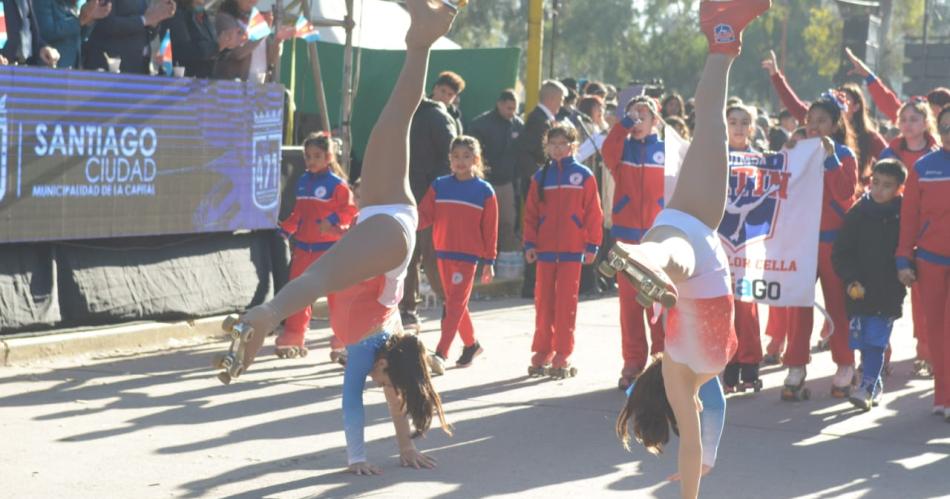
(533, 69)
(347, 110)
(926, 31)
(278, 11)
(321, 95)
(554, 15)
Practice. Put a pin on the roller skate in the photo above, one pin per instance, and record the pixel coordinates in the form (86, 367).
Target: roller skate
(750, 378)
(338, 355)
(730, 378)
(922, 369)
(771, 359)
(290, 345)
(561, 368)
(794, 389)
(628, 375)
(723, 22)
(842, 382)
(410, 321)
(232, 362)
(468, 354)
(937, 410)
(773, 352)
(437, 364)
(651, 282)
(540, 362)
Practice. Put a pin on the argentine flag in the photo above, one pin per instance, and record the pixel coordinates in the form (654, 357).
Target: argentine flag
(257, 27)
(3, 27)
(304, 29)
(165, 53)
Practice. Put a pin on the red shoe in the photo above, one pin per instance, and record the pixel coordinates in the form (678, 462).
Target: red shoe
(723, 22)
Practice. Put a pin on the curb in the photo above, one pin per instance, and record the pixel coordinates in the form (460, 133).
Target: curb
(105, 341)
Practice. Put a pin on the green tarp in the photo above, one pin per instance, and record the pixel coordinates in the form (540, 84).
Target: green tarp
(486, 73)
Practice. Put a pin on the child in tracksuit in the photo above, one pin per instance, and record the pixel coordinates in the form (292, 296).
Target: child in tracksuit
(463, 211)
(923, 254)
(636, 159)
(562, 231)
(323, 211)
(863, 256)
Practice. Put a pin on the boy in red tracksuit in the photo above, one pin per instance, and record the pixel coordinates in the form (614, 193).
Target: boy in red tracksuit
(322, 213)
(562, 231)
(923, 254)
(636, 159)
(463, 210)
(917, 139)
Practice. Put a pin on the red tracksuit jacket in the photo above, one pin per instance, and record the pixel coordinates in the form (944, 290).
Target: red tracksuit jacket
(925, 214)
(319, 196)
(885, 98)
(840, 192)
(637, 168)
(898, 149)
(464, 216)
(569, 222)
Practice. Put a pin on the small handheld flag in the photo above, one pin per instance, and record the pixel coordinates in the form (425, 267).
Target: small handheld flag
(257, 27)
(165, 53)
(304, 29)
(3, 28)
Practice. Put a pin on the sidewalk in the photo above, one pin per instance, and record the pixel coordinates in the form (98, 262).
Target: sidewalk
(160, 425)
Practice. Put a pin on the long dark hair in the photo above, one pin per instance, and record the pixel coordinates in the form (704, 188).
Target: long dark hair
(863, 126)
(844, 134)
(408, 370)
(568, 133)
(323, 142)
(650, 410)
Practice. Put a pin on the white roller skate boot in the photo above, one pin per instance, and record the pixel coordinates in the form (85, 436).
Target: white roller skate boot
(842, 382)
(794, 389)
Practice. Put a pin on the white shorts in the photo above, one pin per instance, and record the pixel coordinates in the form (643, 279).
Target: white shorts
(408, 218)
(710, 278)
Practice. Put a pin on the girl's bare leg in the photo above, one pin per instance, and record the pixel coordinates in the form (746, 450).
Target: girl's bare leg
(385, 176)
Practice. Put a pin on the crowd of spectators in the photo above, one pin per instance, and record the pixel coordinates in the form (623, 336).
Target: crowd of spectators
(123, 35)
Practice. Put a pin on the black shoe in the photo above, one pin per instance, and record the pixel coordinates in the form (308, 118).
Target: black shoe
(749, 372)
(468, 354)
(409, 318)
(730, 376)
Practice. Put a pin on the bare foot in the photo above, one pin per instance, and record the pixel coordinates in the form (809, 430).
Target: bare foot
(431, 19)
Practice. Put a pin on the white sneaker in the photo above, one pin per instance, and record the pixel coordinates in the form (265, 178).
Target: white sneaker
(844, 377)
(437, 364)
(938, 410)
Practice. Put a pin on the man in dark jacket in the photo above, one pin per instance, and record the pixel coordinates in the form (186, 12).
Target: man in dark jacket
(25, 45)
(531, 150)
(430, 136)
(497, 131)
(126, 33)
(863, 256)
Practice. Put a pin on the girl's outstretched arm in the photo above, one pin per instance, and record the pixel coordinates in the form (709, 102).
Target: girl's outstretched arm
(409, 456)
(680, 382)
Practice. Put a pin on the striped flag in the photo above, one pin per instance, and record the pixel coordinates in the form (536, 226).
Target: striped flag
(257, 27)
(165, 53)
(304, 29)
(3, 27)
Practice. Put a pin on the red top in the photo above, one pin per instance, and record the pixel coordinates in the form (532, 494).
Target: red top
(464, 219)
(320, 196)
(840, 191)
(885, 98)
(898, 149)
(356, 311)
(925, 212)
(637, 167)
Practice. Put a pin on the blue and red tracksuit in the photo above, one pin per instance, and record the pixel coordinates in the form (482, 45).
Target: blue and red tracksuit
(746, 321)
(637, 167)
(561, 228)
(925, 244)
(464, 219)
(840, 193)
(898, 149)
(320, 196)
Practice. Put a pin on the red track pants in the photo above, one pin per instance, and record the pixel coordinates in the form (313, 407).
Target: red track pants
(918, 312)
(748, 333)
(934, 282)
(801, 319)
(555, 302)
(777, 329)
(296, 326)
(457, 280)
(633, 336)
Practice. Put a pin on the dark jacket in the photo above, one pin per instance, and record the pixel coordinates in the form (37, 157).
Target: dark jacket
(498, 137)
(194, 41)
(59, 26)
(864, 252)
(531, 143)
(121, 34)
(14, 24)
(236, 63)
(430, 137)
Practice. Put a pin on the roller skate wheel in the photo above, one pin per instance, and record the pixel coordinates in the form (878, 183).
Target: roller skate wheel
(573, 371)
(229, 322)
(806, 394)
(757, 386)
(303, 351)
(667, 299)
(224, 377)
(217, 361)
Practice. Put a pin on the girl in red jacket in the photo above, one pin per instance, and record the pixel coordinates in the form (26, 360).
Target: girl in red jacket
(636, 159)
(463, 212)
(562, 231)
(324, 210)
(923, 254)
(918, 138)
(826, 117)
